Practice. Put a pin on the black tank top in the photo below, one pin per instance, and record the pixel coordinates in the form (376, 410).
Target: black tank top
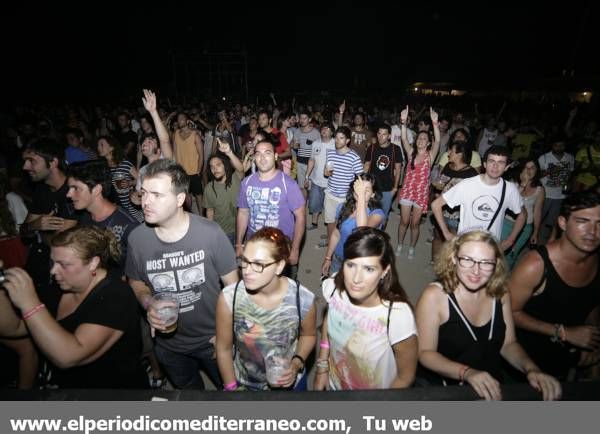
(558, 303)
(477, 347)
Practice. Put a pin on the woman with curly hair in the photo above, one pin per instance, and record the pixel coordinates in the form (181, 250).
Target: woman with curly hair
(465, 321)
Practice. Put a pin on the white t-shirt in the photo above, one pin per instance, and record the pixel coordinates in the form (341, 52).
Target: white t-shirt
(17, 208)
(360, 354)
(319, 154)
(478, 203)
(559, 173)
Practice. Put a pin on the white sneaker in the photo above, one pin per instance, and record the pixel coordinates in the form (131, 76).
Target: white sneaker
(399, 249)
(411, 253)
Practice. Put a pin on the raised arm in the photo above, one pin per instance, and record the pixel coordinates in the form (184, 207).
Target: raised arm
(404, 132)
(235, 161)
(435, 146)
(149, 101)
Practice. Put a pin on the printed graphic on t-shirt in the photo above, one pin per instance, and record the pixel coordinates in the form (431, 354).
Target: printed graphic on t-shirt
(359, 137)
(484, 207)
(558, 174)
(383, 162)
(264, 206)
(180, 273)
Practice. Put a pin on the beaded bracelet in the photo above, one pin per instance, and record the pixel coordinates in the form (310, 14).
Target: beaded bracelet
(231, 386)
(324, 344)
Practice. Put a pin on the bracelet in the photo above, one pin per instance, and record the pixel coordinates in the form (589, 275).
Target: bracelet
(33, 311)
(322, 364)
(563, 333)
(558, 334)
(328, 258)
(231, 386)
(324, 344)
(239, 245)
(463, 371)
(299, 357)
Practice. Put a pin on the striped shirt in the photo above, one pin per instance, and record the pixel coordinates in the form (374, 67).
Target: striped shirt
(306, 140)
(345, 166)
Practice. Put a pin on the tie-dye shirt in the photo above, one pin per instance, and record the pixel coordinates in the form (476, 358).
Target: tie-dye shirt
(259, 330)
(360, 354)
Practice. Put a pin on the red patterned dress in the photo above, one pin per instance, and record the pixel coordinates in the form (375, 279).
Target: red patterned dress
(416, 184)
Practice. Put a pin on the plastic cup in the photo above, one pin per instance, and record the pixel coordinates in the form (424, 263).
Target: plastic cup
(330, 166)
(166, 306)
(276, 364)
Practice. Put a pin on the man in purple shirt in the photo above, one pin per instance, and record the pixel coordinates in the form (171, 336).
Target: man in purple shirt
(270, 198)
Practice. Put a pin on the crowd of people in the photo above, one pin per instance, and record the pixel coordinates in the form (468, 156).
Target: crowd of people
(209, 204)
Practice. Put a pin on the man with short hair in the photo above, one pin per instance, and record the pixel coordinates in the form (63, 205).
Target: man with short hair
(555, 290)
(304, 137)
(315, 180)
(556, 167)
(483, 201)
(186, 255)
(341, 167)
(271, 198)
(362, 137)
(89, 189)
(50, 212)
(384, 160)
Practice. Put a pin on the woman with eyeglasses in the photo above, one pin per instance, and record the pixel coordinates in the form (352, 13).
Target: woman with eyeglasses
(369, 337)
(265, 317)
(465, 321)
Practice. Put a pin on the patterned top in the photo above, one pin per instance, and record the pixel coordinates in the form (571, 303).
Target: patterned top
(259, 330)
(416, 183)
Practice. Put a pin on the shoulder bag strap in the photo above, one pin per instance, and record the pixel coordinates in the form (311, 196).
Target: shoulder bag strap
(233, 318)
(499, 205)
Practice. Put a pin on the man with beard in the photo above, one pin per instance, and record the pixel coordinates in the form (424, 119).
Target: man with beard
(555, 291)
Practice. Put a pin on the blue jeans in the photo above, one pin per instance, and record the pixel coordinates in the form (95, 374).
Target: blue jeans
(512, 254)
(182, 368)
(386, 202)
(316, 197)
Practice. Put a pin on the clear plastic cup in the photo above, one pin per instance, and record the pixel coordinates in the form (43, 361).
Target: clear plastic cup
(166, 306)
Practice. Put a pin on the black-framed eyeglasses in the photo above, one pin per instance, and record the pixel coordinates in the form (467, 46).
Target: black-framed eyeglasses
(466, 262)
(257, 267)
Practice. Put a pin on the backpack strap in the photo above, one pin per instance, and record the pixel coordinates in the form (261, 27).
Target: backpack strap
(233, 317)
(499, 205)
(388, 321)
(298, 307)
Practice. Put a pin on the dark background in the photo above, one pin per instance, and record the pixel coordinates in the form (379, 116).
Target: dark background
(97, 50)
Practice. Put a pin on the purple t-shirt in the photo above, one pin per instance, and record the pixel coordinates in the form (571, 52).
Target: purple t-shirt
(271, 203)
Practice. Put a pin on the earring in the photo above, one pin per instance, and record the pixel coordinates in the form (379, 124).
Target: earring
(94, 273)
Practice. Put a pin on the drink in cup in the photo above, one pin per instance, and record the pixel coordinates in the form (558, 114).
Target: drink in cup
(329, 166)
(276, 364)
(166, 306)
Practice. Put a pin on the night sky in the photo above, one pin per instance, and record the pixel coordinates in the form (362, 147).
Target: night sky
(102, 49)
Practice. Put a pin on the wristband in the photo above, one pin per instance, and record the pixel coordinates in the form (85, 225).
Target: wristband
(299, 357)
(33, 311)
(463, 371)
(324, 344)
(328, 258)
(231, 386)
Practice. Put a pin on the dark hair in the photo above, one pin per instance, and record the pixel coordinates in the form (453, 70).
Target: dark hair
(501, 151)
(228, 170)
(117, 149)
(76, 132)
(452, 137)
(92, 173)
(180, 181)
(515, 173)
(281, 250)
(350, 205)
(578, 201)
(462, 147)
(48, 149)
(345, 131)
(415, 150)
(90, 241)
(365, 242)
(426, 120)
(384, 126)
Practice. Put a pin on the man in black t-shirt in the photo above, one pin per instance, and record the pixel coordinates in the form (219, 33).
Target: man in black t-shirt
(89, 187)
(384, 160)
(50, 212)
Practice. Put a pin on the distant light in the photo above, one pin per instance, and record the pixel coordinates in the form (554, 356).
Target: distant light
(416, 89)
(224, 98)
(584, 93)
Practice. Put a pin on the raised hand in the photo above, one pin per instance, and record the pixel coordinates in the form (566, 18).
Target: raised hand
(404, 115)
(149, 100)
(343, 107)
(223, 146)
(433, 114)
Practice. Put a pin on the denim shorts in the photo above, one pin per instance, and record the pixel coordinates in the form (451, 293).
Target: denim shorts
(316, 197)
